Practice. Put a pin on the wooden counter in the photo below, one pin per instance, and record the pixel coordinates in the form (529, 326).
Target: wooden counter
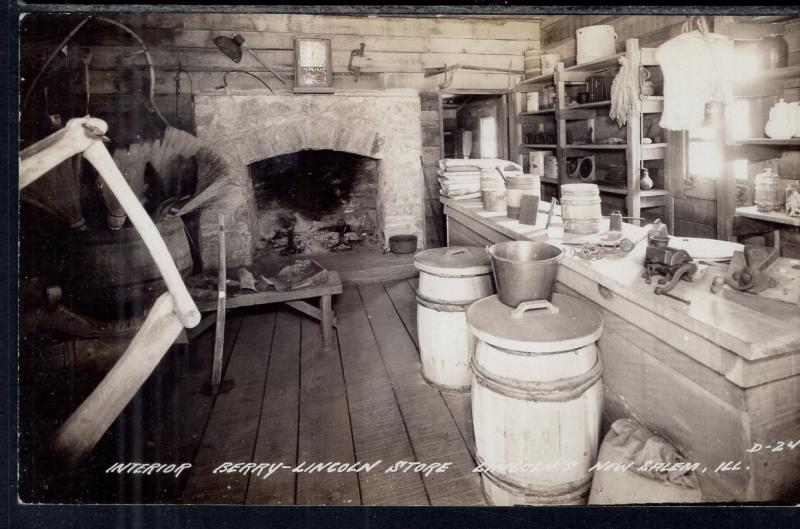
(713, 377)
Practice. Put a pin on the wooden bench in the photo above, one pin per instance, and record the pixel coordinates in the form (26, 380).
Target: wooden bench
(293, 298)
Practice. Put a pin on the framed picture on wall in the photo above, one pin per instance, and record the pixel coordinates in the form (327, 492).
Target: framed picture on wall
(313, 73)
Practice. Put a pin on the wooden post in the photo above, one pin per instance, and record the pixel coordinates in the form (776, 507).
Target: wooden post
(633, 201)
(561, 126)
(675, 171)
(47, 153)
(515, 139)
(726, 179)
(219, 337)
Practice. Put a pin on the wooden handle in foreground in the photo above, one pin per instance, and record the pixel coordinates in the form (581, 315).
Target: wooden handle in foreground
(45, 154)
(185, 308)
(88, 423)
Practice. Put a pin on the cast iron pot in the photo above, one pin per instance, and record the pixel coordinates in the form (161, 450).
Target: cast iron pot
(402, 243)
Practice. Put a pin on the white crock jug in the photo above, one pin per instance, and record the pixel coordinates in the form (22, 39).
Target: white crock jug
(780, 125)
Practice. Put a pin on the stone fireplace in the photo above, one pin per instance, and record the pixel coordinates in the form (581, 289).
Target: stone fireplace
(381, 130)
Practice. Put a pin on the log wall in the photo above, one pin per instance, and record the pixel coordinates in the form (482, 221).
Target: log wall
(398, 49)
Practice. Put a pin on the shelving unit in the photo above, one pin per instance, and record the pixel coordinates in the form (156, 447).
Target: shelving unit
(753, 149)
(635, 151)
(761, 89)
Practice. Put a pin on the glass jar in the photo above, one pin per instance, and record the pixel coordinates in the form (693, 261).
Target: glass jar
(768, 197)
(775, 51)
(792, 202)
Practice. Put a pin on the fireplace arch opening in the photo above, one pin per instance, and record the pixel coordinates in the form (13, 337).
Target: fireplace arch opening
(315, 201)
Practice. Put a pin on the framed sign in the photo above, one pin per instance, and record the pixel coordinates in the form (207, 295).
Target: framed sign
(313, 73)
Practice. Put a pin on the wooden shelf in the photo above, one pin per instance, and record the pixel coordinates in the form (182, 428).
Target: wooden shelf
(613, 190)
(600, 64)
(596, 104)
(769, 216)
(650, 105)
(539, 79)
(777, 73)
(642, 192)
(768, 142)
(540, 145)
(539, 112)
(596, 147)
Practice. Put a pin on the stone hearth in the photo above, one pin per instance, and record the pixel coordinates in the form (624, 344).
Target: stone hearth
(384, 126)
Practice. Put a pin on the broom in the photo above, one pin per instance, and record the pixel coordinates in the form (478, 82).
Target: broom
(176, 142)
(133, 160)
(59, 193)
(212, 180)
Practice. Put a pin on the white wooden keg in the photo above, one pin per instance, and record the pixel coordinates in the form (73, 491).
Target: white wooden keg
(450, 280)
(594, 43)
(549, 61)
(580, 208)
(493, 190)
(537, 399)
(532, 102)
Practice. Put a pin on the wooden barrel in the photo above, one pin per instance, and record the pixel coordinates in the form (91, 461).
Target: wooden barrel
(537, 399)
(580, 208)
(516, 187)
(110, 274)
(531, 101)
(532, 63)
(450, 280)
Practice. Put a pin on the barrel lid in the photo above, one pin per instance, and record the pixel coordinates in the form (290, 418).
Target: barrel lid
(457, 261)
(576, 325)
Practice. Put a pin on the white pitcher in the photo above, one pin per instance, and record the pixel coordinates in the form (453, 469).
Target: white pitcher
(780, 125)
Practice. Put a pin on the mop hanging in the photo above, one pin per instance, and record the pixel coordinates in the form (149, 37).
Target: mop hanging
(625, 93)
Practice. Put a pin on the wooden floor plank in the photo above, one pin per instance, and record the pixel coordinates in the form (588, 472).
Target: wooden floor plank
(324, 429)
(231, 431)
(403, 296)
(379, 432)
(434, 434)
(201, 353)
(404, 299)
(460, 406)
(276, 440)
